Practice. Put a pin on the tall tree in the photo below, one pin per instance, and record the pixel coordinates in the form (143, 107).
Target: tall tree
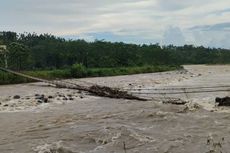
(19, 56)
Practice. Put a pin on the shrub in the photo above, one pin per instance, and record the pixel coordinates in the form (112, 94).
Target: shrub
(78, 71)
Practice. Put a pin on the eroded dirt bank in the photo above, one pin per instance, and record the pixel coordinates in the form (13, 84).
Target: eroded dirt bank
(77, 122)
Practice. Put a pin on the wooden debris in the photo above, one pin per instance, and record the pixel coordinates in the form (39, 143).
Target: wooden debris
(175, 102)
(112, 93)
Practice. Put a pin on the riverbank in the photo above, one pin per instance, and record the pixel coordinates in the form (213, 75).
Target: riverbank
(82, 72)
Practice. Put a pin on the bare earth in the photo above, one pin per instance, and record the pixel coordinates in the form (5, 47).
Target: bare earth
(89, 124)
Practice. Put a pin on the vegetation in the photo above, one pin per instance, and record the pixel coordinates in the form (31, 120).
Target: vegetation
(79, 71)
(78, 58)
(33, 52)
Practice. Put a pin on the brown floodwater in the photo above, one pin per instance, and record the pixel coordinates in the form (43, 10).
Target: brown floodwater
(89, 124)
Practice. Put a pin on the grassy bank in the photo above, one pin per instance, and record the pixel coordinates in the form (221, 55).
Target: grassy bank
(79, 71)
(100, 72)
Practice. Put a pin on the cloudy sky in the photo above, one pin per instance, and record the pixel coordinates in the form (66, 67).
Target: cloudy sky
(199, 22)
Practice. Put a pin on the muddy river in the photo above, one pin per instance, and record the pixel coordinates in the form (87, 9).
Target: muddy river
(71, 121)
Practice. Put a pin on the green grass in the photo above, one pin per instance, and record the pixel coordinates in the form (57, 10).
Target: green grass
(6, 78)
(100, 72)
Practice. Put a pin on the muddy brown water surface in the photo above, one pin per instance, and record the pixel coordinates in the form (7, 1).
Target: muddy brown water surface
(89, 124)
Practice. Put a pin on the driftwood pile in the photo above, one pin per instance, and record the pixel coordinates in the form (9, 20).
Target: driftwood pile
(104, 91)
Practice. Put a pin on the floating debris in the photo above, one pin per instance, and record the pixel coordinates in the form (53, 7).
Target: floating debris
(16, 97)
(223, 101)
(175, 102)
(104, 91)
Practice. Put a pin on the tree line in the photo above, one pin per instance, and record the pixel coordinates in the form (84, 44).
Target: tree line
(30, 51)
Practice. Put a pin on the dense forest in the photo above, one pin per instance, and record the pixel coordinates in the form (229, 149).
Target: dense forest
(37, 52)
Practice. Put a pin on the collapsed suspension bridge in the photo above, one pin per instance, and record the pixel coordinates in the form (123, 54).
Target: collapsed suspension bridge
(142, 94)
(102, 91)
(179, 90)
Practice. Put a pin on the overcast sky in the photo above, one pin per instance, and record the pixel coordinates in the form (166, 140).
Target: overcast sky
(199, 22)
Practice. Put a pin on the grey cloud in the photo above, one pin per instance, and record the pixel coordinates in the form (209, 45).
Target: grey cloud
(216, 35)
(222, 42)
(215, 27)
(220, 12)
(134, 20)
(169, 5)
(174, 35)
(173, 5)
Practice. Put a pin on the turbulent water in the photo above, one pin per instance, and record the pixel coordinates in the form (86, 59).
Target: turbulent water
(89, 124)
